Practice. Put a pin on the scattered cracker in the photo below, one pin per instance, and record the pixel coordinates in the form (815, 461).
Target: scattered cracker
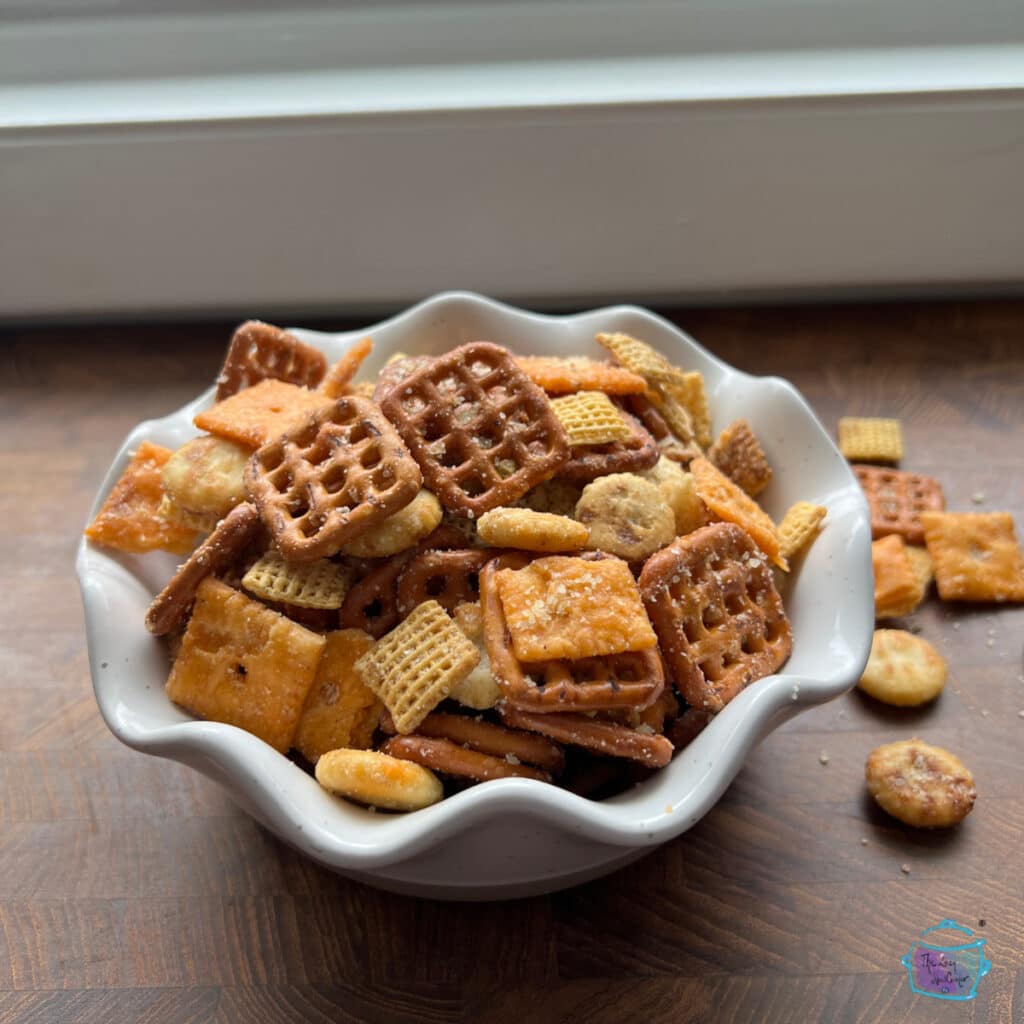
(527, 530)
(242, 664)
(415, 666)
(319, 584)
(903, 670)
(340, 709)
(573, 608)
(400, 531)
(261, 413)
(378, 780)
(590, 417)
(727, 501)
(898, 590)
(336, 382)
(919, 784)
(870, 439)
(129, 519)
(558, 376)
(739, 455)
(976, 555)
(799, 526)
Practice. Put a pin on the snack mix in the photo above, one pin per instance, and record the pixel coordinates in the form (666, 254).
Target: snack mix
(479, 565)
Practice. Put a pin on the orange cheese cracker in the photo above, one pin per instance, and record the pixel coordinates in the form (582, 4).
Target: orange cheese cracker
(562, 376)
(729, 502)
(341, 710)
(898, 588)
(975, 554)
(573, 608)
(260, 413)
(242, 664)
(129, 520)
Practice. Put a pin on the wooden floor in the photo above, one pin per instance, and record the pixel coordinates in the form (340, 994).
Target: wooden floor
(131, 889)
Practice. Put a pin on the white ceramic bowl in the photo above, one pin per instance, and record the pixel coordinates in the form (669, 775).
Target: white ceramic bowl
(509, 837)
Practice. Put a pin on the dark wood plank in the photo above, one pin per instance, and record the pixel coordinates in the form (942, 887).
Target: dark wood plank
(133, 889)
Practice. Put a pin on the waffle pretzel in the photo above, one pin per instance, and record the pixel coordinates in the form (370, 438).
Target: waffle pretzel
(218, 552)
(896, 500)
(327, 481)
(395, 370)
(628, 679)
(608, 738)
(448, 577)
(449, 758)
(644, 409)
(719, 619)
(260, 351)
(588, 462)
(482, 432)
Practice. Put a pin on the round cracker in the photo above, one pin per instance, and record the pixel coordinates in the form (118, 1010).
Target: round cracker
(626, 515)
(903, 669)
(378, 780)
(919, 784)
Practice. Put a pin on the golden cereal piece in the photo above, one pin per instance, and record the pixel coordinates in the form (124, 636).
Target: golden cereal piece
(680, 493)
(531, 531)
(739, 455)
(560, 376)
(245, 665)
(976, 555)
(130, 519)
(922, 565)
(400, 531)
(319, 584)
(340, 709)
(378, 780)
(688, 390)
(414, 667)
(204, 479)
(638, 357)
(478, 690)
(898, 589)
(870, 440)
(573, 608)
(799, 527)
(261, 413)
(903, 669)
(919, 784)
(336, 382)
(626, 516)
(590, 417)
(725, 500)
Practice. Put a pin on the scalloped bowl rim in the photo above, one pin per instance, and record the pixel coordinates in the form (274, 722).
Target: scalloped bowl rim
(346, 837)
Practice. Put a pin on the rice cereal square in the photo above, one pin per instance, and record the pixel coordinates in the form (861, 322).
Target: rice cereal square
(242, 664)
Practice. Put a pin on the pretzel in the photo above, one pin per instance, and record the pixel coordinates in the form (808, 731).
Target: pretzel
(232, 535)
(448, 577)
(129, 518)
(643, 408)
(482, 432)
(607, 738)
(719, 619)
(395, 370)
(739, 455)
(631, 678)
(870, 440)
(559, 376)
(260, 351)
(588, 462)
(324, 483)
(896, 500)
(336, 383)
(688, 726)
(449, 758)
(371, 604)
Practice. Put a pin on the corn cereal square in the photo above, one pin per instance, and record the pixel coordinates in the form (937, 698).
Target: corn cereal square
(341, 710)
(261, 413)
(573, 608)
(242, 664)
(129, 519)
(870, 440)
(898, 589)
(975, 554)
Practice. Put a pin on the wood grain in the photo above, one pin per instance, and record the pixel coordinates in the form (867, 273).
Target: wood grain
(132, 889)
